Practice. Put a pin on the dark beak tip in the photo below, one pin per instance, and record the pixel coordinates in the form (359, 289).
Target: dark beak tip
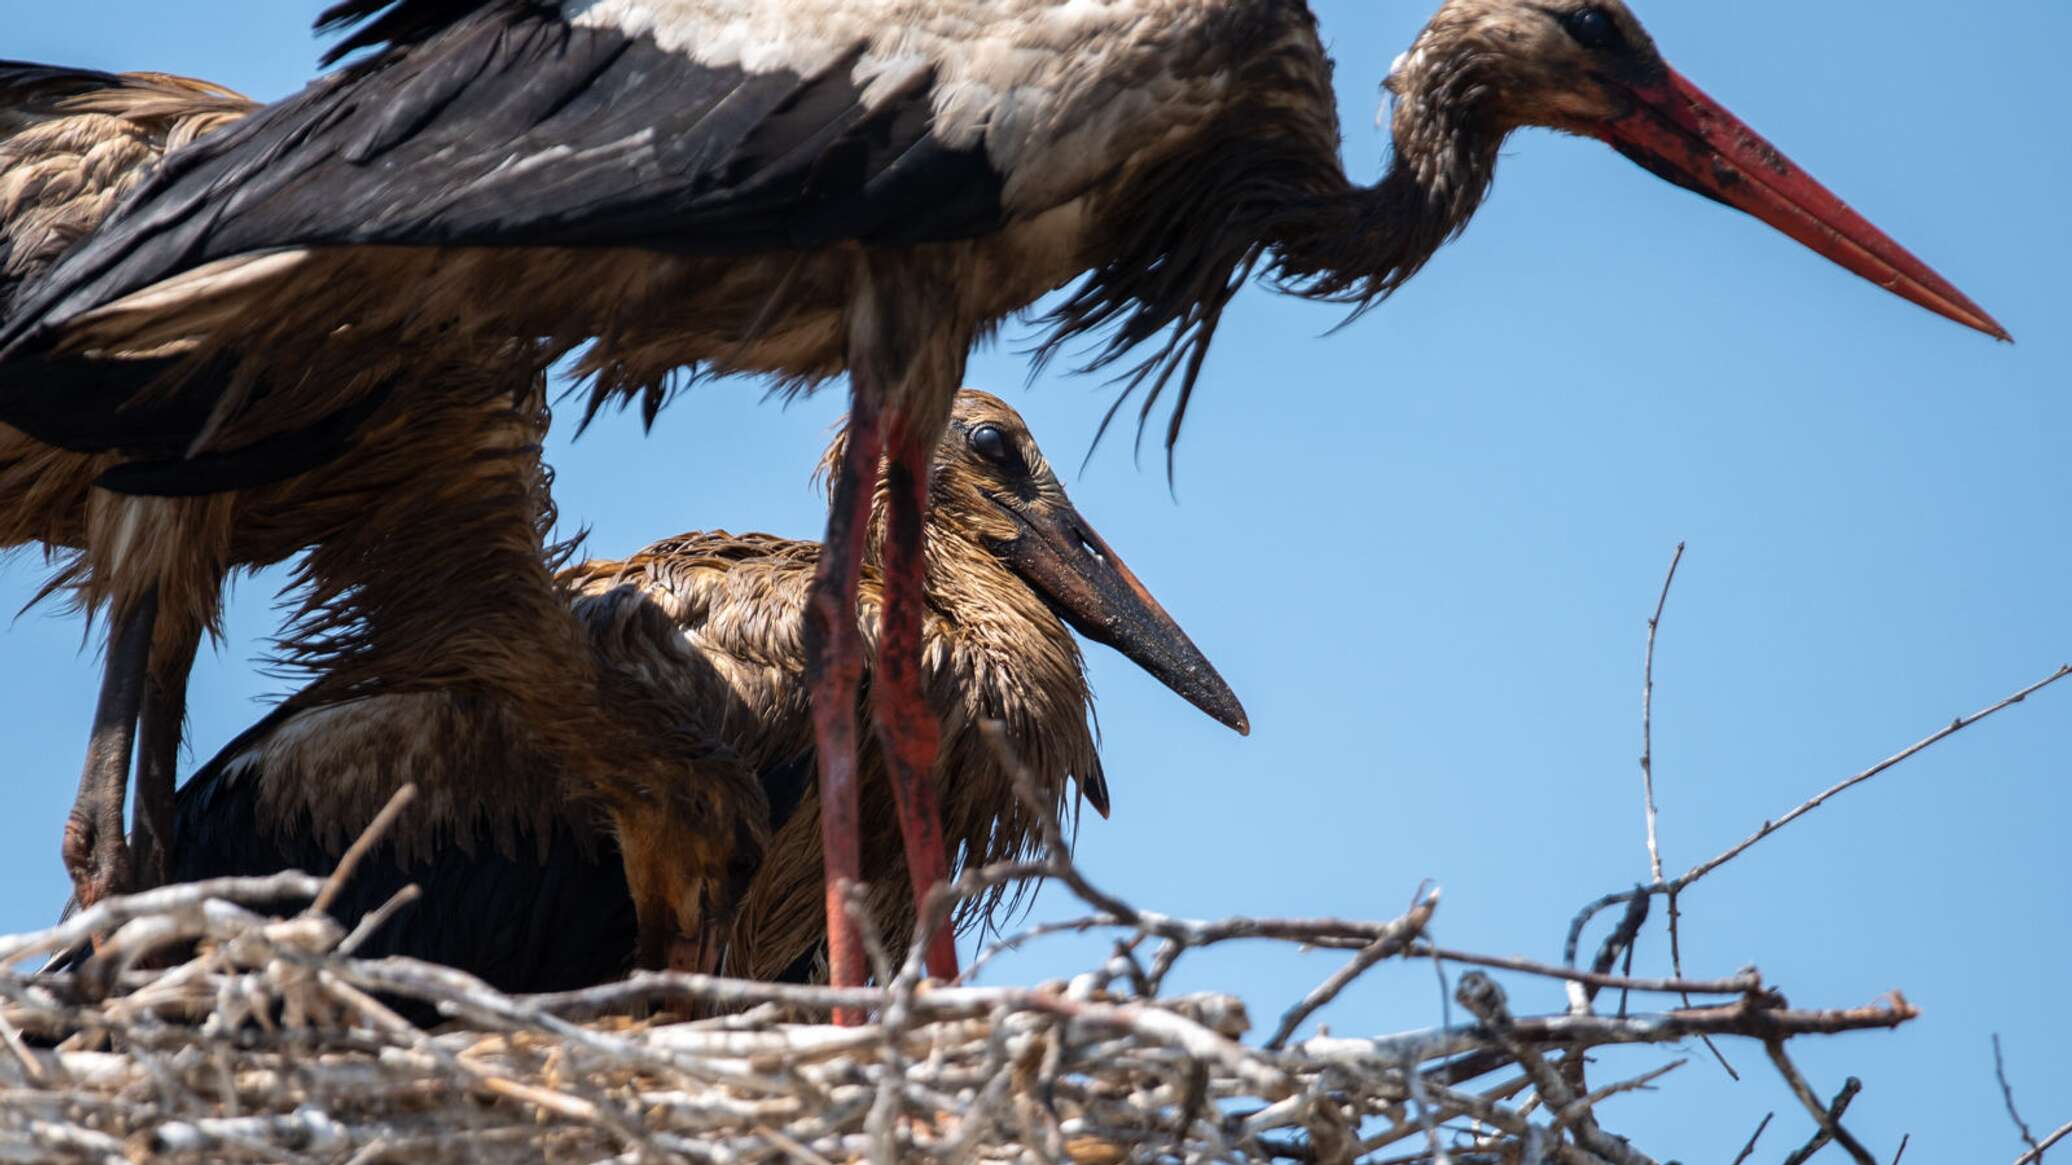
(1229, 713)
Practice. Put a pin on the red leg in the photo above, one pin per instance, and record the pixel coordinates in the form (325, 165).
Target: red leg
(95, 848)
(907, 729)
(834, 667)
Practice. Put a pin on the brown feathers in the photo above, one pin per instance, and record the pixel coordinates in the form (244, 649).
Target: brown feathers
(692, 650)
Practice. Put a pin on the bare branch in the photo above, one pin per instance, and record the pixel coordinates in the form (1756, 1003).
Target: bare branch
(1749, 1149)
(1828, 1117)
(1746, 981)
(1647, 717)
(2035, 1155)
(1961, 723)
(1402, 931)
(1821, 1136)
(2007, 1095)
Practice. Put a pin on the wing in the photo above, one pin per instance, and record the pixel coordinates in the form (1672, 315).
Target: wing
(510, 126)
(543, 914)
(526, 917)
(73, 144)
(74, 141)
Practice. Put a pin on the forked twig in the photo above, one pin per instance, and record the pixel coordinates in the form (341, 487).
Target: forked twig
(2035, 1155)
(1827, 1116)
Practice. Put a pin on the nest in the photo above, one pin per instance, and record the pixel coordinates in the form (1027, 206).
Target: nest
(272, 1042)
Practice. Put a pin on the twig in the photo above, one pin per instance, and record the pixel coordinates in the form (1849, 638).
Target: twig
(1647, 717)
(1480, 994)
(1828, 1117)
(1749, 1149)
(1676, 968)
(1388, 946)
(1821, 1137)
(2035, 1155)
(371, 922)
(1677, 886)
(1620, 940)
(109, 913)
(1647, 774)
(1741, 984)
(2007, 1095)
(368, 839)
(1951, 729)
(1583, 1105)
(1692, 875)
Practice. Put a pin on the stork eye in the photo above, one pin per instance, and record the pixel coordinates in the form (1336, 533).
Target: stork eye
(1592, 28)
(990, 443)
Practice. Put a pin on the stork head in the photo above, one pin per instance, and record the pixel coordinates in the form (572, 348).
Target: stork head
(1483, 68)
(994, 503)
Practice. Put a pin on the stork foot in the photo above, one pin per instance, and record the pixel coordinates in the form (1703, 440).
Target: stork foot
(97, 858)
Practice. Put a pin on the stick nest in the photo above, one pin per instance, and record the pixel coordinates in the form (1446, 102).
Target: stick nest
(271, 1042)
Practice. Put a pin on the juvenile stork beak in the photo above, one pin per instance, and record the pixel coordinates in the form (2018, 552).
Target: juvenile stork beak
(1681, 135)
(1059, 555)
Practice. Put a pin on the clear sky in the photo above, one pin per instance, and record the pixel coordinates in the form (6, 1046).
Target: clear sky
(1423, 548)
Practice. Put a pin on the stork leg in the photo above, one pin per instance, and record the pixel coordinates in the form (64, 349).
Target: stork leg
(834, 668)
(95, 851)
(159, 728)
(907, 728)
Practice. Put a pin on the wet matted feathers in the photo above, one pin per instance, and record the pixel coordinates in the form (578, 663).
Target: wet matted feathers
(709, 623)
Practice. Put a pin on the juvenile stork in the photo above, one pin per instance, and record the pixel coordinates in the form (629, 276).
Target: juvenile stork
(423, 535)
(802, 188)
(526, 891)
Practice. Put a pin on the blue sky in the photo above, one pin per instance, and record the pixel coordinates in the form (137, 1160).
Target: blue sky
(1423, 549)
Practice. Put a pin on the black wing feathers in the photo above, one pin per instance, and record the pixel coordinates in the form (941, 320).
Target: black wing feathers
(521, 924)
(512, 128)
(391, 23)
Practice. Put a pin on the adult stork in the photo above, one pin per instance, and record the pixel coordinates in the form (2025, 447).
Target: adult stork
(525, 890)
(72, 143)
(421, 535)
(801, 188)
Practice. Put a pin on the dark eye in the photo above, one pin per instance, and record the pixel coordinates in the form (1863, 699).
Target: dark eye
(1592, 27)
(990, 443)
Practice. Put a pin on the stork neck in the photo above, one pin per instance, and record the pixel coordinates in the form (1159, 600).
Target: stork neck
(1360, 243)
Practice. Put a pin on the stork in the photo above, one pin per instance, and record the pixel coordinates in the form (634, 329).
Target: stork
(72, 143)
(422, 534)
(801, 188)
(526, 891)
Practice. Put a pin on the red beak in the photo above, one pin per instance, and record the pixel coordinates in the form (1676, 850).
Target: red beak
(1681, 135)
